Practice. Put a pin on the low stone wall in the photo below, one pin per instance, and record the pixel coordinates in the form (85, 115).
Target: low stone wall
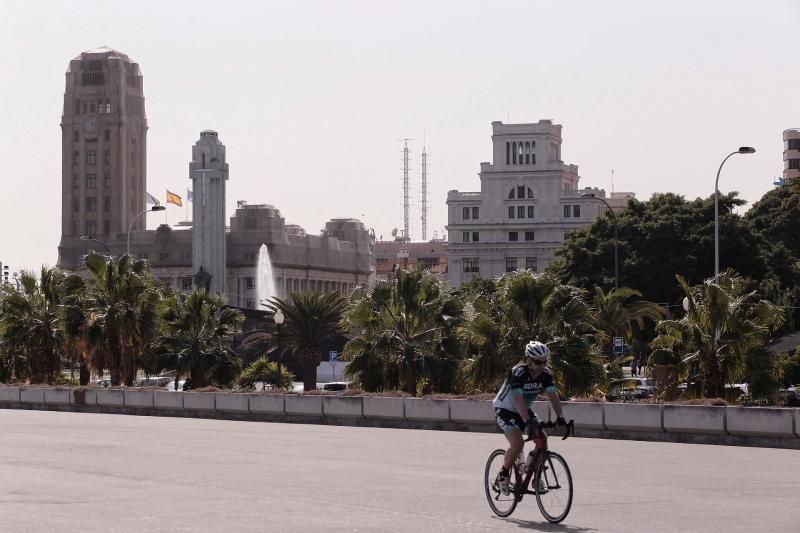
(742, 426)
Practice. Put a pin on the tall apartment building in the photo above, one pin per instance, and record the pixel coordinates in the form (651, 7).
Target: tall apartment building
(529, 199)
(791, 153)
(104, 149)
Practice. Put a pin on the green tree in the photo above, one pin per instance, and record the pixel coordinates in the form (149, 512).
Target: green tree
(659, 238)
(407, 332)
(123, 304)
(721, 337)
(621, 313)
(32, 324)
(266, 372)
(195, 343)
(531, 306)
(311, 317)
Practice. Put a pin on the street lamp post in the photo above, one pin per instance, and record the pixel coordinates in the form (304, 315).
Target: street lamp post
(130, 228)
(741, 150)
(90, 238)
(279, 319)
(616, 239)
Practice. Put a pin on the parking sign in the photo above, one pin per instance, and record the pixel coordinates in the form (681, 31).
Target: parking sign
(619, 347)
(332, 355)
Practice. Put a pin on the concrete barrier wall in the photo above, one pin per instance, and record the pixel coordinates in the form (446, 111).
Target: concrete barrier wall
(678, 423)
(762, 421)
(9, 394)
(632, 417)
(694, 419)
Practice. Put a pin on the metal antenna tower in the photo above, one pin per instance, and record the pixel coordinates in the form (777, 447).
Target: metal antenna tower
(424, 193)
(406, 235)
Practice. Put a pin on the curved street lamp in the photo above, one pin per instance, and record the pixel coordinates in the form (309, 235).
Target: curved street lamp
(90, 238)
(616, 240)
(741, 150)
(130, 228)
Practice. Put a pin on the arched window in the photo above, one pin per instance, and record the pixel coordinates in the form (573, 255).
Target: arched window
(514, 153)
(530, 193)
(511, 193)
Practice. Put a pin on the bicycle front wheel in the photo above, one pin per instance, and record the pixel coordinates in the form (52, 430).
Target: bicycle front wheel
(555, 501)
(502, 504)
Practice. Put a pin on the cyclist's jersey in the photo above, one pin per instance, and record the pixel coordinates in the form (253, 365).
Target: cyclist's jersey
(520, 382)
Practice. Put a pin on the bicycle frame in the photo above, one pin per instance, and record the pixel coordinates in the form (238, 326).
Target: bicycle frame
(540, 449)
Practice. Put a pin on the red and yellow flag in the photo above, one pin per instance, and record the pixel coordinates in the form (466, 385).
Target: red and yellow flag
(173, 198)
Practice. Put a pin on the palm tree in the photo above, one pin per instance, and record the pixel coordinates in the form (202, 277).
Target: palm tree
(408, 330)
(722, 333)
(268, 373)
(31, 323)
(619, 310)
(197, 329)
(123, 304)
(311, 317)
(527, 306)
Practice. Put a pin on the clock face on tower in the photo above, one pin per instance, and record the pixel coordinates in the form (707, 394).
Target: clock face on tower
(90, 125)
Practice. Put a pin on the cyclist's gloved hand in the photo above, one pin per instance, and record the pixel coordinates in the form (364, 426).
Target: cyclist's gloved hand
(560, 421)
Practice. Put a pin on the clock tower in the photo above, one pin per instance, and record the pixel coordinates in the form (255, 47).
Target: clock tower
(104, 151)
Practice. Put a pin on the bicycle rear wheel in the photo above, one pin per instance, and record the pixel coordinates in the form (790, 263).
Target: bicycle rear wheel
(502, 505)
(555, 502)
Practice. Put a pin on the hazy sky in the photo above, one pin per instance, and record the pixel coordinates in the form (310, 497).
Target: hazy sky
(311, 98)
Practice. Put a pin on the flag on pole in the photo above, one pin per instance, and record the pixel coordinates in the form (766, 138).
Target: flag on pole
(173, 198)
(150, 199)
(189, 194)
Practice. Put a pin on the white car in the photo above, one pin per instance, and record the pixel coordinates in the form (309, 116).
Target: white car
(171, 385)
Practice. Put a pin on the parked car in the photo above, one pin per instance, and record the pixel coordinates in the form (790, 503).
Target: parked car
(105, 383)
(159, 381)
(631, 389)
(336, 386)
(171, 385)
(791, 396)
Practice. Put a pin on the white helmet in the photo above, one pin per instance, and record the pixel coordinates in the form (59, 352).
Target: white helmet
(537, 350)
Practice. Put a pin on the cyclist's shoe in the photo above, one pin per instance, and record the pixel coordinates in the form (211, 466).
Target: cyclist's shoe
(503, 482)
(542, 489)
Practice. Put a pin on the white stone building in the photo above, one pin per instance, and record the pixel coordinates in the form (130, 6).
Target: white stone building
(529, 199)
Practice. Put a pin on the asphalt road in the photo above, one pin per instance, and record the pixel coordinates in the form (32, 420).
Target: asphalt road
(114, 473)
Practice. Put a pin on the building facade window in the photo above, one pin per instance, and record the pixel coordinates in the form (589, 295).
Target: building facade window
(793, 144)
(794, 164)
(512, 193)
(513, 236)
(520, 211)
(91, 227)
(107, 136)
(106, 181)
(465, 213)
(530, 236)
(250, 282)
(76, 158)
(76, 181)
(514, 153)
(508, 153)
(186, 283)
(511, 211)
(531, 263)
(76, 136)
(91, 181)
(475, 213)
(107, 157)
(465, 236)
(520, 191)
(530, 211)
(470, 265)
(567, 211)
(107, 204)
(576, 211)
(76, 205)
(251, 303)
(106, 227)
(511, 264)
(475, 236)
(250, 223)
(250, 257)
(91, 157)
(530, 193)
(91, 205)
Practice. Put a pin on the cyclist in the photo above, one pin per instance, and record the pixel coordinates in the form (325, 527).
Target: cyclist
(512, 404)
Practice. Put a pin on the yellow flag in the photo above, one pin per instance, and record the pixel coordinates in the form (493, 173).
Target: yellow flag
(173, 198)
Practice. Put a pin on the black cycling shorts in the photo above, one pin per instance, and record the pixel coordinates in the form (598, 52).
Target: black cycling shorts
(508, 420)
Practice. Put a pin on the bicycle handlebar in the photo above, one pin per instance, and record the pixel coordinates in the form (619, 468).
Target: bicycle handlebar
(570, 428)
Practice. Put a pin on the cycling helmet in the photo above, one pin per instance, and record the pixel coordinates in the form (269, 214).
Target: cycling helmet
(537, 350)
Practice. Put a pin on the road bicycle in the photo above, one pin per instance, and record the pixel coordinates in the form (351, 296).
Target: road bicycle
(547, 475)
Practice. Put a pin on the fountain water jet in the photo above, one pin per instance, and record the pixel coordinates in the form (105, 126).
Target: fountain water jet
(265, 280)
